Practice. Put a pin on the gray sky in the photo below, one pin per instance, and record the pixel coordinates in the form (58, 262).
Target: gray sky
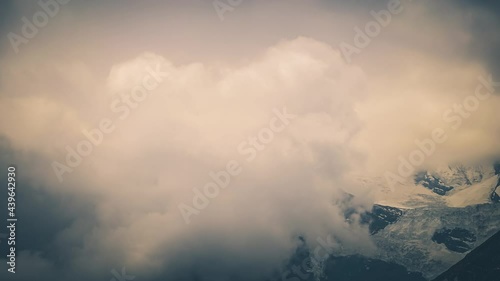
(120, 206)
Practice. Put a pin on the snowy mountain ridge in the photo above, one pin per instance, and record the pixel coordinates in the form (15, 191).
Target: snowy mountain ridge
(432, 222)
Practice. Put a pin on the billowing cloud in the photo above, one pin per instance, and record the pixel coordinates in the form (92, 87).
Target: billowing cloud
(138, 115)
(197, 119)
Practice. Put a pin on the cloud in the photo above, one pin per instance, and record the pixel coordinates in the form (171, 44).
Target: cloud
(119, 207)
(187, 127)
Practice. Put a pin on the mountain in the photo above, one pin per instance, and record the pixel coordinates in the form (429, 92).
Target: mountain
(343, 268)
(431, 222)
(435, 184)
(482, 264)
(380, 217)
(458, 239)
(430, 240)
(421, 228)
(359, 268)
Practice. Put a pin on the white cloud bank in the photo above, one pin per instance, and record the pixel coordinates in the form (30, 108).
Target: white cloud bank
(187, 127)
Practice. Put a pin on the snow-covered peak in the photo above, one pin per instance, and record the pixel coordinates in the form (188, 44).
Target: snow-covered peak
(473, 195)
(460, 175)
(452, 186)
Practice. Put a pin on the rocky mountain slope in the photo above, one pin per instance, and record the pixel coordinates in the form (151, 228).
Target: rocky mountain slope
(431, 223)
(343, 268)
(482, 264)
(421, 229)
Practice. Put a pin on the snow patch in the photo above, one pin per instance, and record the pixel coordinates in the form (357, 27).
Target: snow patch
(473, 195)
(459, 175)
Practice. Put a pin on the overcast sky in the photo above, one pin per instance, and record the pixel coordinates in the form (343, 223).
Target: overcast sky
(227, 73)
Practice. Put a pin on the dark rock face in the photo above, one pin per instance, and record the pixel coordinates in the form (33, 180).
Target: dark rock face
(496, 167)
(494, 195)
(380, 217)
(431, 182)
(298, 268)
(360, 268)
(458, 239)
(342, 268)
(482, 264)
